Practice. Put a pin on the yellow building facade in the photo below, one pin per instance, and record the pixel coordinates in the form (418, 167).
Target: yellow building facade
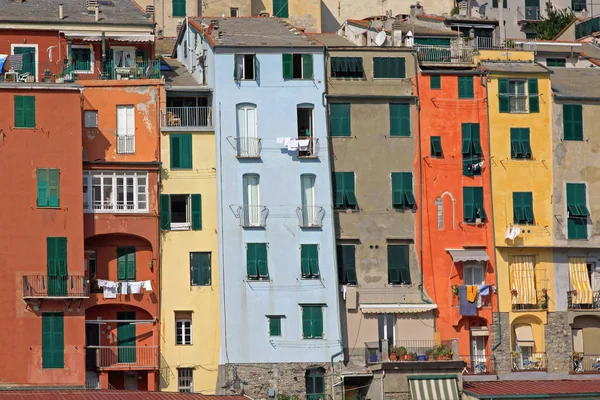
(189, 263)
(519, 114)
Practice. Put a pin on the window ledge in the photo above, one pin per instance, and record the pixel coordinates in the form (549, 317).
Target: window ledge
(268, 280)
(310, 279)
(248, 157)
(48, 207)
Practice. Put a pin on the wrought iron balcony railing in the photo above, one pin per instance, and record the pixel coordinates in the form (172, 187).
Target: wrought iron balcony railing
(529, 361)
(187, 117)
(593, 305)
(248, 147)
(125, 357)
(253, 216)
(310, 216)
(44, 286)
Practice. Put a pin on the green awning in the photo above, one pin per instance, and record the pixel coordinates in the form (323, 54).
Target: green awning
(428, 387)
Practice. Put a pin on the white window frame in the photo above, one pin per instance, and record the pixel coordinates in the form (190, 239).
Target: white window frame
(85, 119)
(247, 145)
(92, 58)
(37, 56)
(183, 322)
(241, 72)
(468, 269)
(185, 380)
(324, 313)
(252, 208)
(182, 226)
(516, 94)
(109, 205)
(126, 129)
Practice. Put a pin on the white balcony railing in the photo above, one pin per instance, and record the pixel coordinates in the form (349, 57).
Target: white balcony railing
(444, 54)
(310, 216)
(253, 216)
(125, 144)
(118, 357)
(493, 43)
(311, 150)
(248, 147)
(187, 117)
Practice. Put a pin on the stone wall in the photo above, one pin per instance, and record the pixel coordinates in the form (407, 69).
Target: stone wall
(501, 333)
(558, 342)
(255, 380)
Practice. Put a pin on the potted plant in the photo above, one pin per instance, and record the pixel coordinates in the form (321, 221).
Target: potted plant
(442, 352)
(576, 356)
(401, 353)
(455, 290)
(428, 354)
(393, 353)
(574, 292)
(514, 292)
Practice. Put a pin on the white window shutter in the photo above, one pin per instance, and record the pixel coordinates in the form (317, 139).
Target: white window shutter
(121, 120)
(130, 121)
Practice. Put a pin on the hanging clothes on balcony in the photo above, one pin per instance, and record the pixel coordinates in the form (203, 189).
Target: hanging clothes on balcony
(147, 285)
(135, 287)
(523, 280)
(471, 293)
(484, 290)
(580, 282)
(466, 308)
(123, 287)
(109, 288)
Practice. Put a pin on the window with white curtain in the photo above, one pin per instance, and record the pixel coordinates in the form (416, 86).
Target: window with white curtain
(252, 199)
(248, 143)
(125, 129)
(112, 192)
(307, 183)
(474, 273)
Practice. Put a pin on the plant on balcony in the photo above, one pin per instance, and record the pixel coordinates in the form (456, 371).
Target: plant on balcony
(455, 290)
(413, 356)
(514, 292)
(442, 352)
(393, 353)
(515, 354)
(574, 292)
(576, 356)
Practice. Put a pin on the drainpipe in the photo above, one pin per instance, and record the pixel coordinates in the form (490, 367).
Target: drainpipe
(382, 386)
(492, 213)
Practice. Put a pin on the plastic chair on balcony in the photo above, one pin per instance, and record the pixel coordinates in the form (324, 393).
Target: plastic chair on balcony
(174, 120)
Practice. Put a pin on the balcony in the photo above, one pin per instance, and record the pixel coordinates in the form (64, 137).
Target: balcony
(407, 350)
(186, 117)
(126, 357)
(310, 216)
(528, 361)
(594, 305)
(540, 302)
(478, 365)
(149, 69)
(125, 144)
(585, 364)
(55, 287)
(248, 147)
(310, 150)
(444, 54)
(253, 216)
(491, 43)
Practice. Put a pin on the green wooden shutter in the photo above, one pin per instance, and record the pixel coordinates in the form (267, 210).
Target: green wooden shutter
(338, 189)
(186, 151)
(435, 146)
(29, 103)
(317, 322)
(527, 201)
(175, 151)
(397, 193)
(274, 326)
(580, 196)
(307, 66)
(478, 199)
(51, 256)
(534, 100)
(42, 187)
(476, 139)
(349, 263)
(205, 269)
(53, 187)
(263, 267)
(131, 263)
(393, 264)
(404, 264)
(401, 67)
(435, 82)
(195, 269)
(399, 119)
(179, 8)
(287, 66)
(61, 255)
(53, 342)
(305, 259)
(518, 208)
(307, 322)
(196, 212)
(503, 98)
(19, 111)
(572, 200)
(165, 212)
(568, 133)
(349, 195)
(468, 204)
(577, 122)
(251, 260)
(314, 260)
(121, 263)
(339, 119)
(465, 87)
(280, 8)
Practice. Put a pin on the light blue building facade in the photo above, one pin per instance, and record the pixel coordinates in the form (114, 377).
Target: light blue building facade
(278, 275)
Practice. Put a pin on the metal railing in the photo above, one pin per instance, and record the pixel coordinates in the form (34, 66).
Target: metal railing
(253, 216)
(528, 361)
(310, 216)
(248, 147)
(495, 43)
(44, 286)
(311, 149)
(594, 305)
(586, 364)
(477, 365)
(118, 357)
(149, 69)
(529, 13)
(186, 117)
(125, 144)
(540, 302)
(92, 385)
(411, 350)
(444, 54)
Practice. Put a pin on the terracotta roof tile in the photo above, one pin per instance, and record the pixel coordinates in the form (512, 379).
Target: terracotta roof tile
(518, 388)
(360, 22)
(106, 395)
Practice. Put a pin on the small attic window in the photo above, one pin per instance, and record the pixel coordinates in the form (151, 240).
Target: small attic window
(106, 3)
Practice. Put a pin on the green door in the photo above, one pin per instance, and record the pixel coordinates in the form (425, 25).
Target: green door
(56, 256)
(28, 59)
(126, 338)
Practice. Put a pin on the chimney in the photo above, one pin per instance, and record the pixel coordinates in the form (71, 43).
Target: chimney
(97, 11)
(416, 9)
(61, 14)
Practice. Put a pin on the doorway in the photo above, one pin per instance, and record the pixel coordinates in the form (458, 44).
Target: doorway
(126, 338)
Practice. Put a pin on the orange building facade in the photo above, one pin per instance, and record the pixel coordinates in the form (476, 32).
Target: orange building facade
(457, 243)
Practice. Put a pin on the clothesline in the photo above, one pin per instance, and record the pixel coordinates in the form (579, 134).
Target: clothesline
(294, 144)
(110, 288)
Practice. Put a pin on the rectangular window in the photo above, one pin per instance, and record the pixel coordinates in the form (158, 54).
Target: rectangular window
(126, 264)
(577, 211)
(309, 256)
(573, 121)
(48, 187)
(473, 209)
(312, 322)
(24, 111)
(556, 62)
(181, 151)
(578, 5)
(274, 325)
(234, 12)
(495, 3)
(344, 191)
(399, 119)
(523, 207)
(436, 146)
(115, 192)
(185, 379)
(513, 97)
(90, 119)
(183, 327)
(280, 8)
(389, 67)
(56, 264)
(472, 152)
(347, 67)
(200, 268)
(435, 82)
(520, 146)
(248, 142)
(339, 119)
(256, 261)
(253, 214)
(125, 130)
(402, 191)
(179, 8)
(473, 273)
(297, 66)
(245, 67)
(82, 58)
(346, 260)
(181, 212)
(53, 340)
(465, 87)
(398, 265)
(315, 384)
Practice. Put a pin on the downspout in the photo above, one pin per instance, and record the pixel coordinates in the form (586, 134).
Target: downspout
(159, 253)
(382, 386)
(492, 213)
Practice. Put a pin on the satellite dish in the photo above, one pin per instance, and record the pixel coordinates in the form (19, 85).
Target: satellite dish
(380, 38)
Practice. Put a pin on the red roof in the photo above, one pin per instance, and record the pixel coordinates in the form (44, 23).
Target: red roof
(512, 388)
(106, 395)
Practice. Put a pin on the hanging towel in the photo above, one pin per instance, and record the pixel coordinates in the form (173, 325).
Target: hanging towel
(484, 290)
(123, 287)
(471, 293)
(507, 235)
(147, 285)
(292, 144)
(466, 308)
(135, 287)
(303, 144)
(109, 288)
(478, 301)
(280, 140)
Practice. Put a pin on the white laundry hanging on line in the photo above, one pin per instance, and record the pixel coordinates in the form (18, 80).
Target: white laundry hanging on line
(135, 287)
(292, 145)
(147, 285)
(123, 287)
(109, 288)
(303, 144)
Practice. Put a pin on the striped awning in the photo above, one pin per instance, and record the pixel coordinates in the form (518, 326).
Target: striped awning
(469, 255)
(523, 280)
(396, 308)
(580, 281)
(433, 387)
